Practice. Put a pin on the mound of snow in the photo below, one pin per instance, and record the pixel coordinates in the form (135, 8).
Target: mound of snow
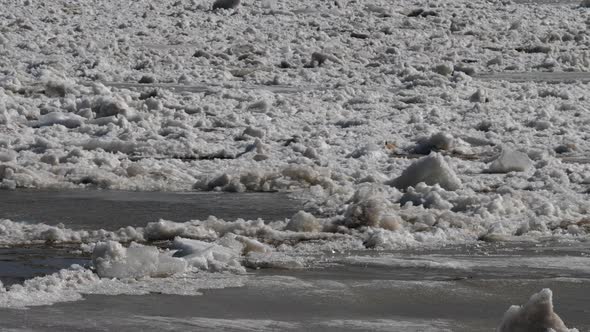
(370, 150)
(7, 155)
(307, 174)
(510, 161)
(370, 208)
(260, 106)
(536, 315)
(431, 170)
(56, 87)
(480, 96)
(427, 196)
(163, 230)
(436, 142)
(303, 222)
(112, 260)
(105, 106)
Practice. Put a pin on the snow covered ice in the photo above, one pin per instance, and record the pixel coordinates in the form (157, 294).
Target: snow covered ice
(400, 125)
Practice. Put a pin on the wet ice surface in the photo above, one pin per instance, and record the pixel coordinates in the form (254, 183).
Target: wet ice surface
(21, 263)
(456, 288)
(460, 288)
(339, 296)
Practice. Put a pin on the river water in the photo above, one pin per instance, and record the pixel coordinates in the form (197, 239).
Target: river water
(464, 288)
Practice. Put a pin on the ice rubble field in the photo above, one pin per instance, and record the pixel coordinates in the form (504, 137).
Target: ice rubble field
(372, 111)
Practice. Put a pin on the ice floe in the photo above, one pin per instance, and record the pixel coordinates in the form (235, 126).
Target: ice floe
(536, 315)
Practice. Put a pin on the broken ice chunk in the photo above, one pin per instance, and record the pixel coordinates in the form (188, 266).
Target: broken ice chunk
(510, 161)
(431, 170)
(536, 315)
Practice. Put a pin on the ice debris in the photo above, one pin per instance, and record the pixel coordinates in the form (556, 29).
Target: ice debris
(210, 256)
(68, 120)
(436, 142)
(303, 222)
(510, 161)
(432, 169)
(536, 315)
(368, 207)
(112, 260)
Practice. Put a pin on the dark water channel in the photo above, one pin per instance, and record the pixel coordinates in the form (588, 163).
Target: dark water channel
(110, 210)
